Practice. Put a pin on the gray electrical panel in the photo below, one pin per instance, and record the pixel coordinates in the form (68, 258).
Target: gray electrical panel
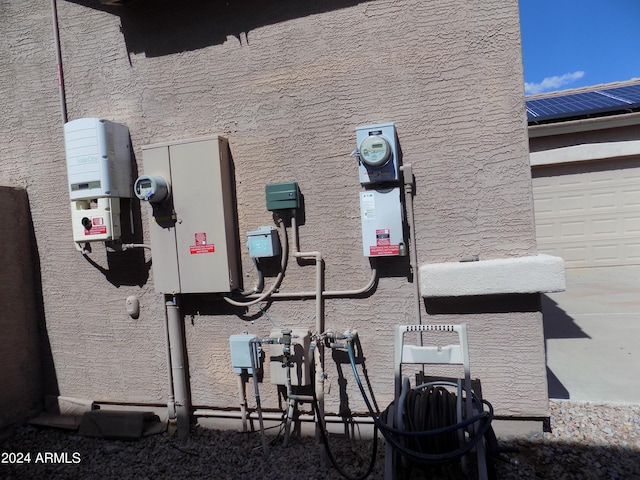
(193, 232)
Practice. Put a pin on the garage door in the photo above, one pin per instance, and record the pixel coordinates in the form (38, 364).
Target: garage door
(589, 213)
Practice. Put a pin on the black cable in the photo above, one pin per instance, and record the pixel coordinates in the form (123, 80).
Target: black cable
(325, 441)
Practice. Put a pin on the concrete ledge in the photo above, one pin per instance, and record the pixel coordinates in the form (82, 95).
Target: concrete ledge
(534, 274)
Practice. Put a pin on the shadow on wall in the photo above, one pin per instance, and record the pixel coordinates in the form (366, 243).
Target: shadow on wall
(557, 324)
(163, 27)
(26, 365)
(49, 378)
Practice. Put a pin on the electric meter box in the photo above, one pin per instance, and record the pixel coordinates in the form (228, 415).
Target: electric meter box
(99, 174)
(382, 225)
(263, 242)
(193, 234)
(378, 153)
(241, 352)
(98, 159)
(300, 371)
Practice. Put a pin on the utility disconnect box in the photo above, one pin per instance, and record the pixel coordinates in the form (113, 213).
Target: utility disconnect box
(382, 226)
(300, 371)
(193, 231)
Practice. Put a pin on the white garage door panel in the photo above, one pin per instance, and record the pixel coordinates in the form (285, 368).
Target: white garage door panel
(589, 213)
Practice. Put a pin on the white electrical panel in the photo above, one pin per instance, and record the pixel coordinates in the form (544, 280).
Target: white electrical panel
(378, 153)
(382, 226)
(193, 231)
(301, 368)
(99, 173)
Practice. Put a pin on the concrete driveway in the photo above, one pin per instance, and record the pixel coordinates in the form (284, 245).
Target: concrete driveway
(592, 333)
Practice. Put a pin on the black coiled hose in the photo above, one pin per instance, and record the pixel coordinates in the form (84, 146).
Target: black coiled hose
(394, 436)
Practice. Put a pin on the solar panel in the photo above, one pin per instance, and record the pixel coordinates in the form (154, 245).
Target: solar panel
(584, 104)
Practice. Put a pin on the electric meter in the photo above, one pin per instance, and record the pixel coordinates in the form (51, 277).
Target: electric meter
(375, 151)
(378, 154)
(151, 188)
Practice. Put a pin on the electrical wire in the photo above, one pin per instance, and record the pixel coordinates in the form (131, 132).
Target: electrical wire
(332, 459)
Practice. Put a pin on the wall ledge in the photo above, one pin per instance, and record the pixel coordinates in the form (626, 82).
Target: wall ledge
(532, 274)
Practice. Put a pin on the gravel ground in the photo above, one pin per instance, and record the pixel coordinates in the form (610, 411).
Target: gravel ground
(587, 442)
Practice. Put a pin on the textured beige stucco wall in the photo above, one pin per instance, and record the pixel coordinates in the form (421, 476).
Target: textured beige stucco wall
(19, 344)
(287, 87)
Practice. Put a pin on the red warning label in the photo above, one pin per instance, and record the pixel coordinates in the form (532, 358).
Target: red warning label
(384, 250)
(97, 227)
(201, 245)
(383, 244)
(96, 230)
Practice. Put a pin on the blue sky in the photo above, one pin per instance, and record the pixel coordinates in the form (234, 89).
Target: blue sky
(575, 43)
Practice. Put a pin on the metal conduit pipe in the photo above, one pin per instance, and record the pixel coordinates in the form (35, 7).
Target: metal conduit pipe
(407, 174)
(178, 371)
(56, 36)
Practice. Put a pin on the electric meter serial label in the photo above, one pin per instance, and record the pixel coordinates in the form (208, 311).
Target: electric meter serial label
(201, 245)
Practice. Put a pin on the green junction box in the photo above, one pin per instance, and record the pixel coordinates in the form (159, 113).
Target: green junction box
(282, 196)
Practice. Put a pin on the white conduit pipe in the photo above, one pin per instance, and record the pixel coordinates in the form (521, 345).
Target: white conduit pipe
(274, 416)
(319, 327)
(171, 403)
(178, 372)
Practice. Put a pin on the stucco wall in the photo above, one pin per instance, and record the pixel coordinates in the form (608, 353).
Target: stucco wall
(19, 345)
(287, 85)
